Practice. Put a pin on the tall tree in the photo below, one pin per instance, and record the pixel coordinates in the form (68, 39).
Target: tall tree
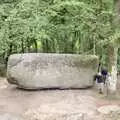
(113, 47)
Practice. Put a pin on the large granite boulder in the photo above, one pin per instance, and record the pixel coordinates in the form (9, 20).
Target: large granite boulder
(45, 70)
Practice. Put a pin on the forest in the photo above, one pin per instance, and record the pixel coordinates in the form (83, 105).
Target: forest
(61, 26)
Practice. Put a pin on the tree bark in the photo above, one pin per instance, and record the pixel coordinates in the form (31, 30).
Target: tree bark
(113, 51)
(112, 65)
(117, 11)
(36, 46)
(22, 46)
(28, 46)
(9, 53)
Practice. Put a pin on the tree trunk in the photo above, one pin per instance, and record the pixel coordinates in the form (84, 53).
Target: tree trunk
(113, 51)
(28, 46)
(9, 52)
(117, 11)
(22, 45)
(94, 47)
(36, 46)
(112, 65)
(47, 46)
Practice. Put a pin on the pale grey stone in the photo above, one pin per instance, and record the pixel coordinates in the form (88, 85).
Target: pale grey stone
(45, 70)
(108, 109)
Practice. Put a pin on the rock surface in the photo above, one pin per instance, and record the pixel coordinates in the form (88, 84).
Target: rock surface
(108, 109)
(39, 70)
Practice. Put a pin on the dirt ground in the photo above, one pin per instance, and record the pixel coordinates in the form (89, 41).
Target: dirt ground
(17, 104)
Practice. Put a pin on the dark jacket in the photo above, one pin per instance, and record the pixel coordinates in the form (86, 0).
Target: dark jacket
(99, 79)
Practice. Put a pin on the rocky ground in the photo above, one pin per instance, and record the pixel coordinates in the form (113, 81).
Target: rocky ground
(85, 104)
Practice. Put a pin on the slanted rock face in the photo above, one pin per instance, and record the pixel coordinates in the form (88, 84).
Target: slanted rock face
(45, 70)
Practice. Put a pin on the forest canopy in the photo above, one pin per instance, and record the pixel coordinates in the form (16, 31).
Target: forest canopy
(58, 26)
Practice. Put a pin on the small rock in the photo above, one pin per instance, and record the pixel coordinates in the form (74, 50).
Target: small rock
(108, 109)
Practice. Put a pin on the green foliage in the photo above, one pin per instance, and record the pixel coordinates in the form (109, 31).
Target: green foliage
(61, 26)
